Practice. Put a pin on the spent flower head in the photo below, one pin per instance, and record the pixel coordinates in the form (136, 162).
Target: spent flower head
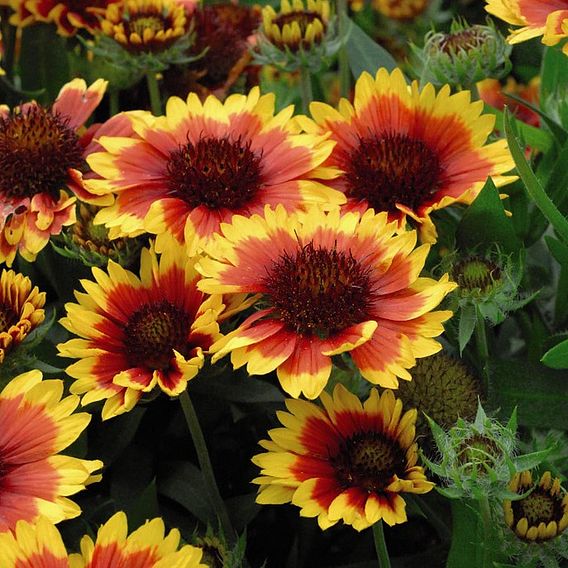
(463, 56)
(479, 458)
(299, 35)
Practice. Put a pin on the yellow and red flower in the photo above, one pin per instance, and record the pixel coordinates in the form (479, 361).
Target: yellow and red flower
(409, 151)
(327, 284)
(344, 462)
(21, 310)
(556, 28)
(68, 15)
(41, 157)
(35, 425)
(36, 545)
(532, 15)
(139, 333)
(189, 171)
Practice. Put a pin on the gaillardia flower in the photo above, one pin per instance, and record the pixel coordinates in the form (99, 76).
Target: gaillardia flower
(41, 544)
(328, 284)
(40, 158)
(21, 310)
(344, 462)
(138, 333)
(532, 15)
(189, 171)
(70, 15)
(556, 29)
(543, 514)
(35, 425)
(409, 151)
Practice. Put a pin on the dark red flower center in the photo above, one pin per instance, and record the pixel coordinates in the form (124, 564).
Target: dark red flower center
(219, 173)
(538, 507)
(390, 169)
(153, 332)
(37, 148)
(369, 460)
(319, 291)
(8, 317)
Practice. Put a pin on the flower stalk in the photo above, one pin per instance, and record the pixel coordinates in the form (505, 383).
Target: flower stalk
(381, 545)
(306, 88)
(154, 92)
(213, 494)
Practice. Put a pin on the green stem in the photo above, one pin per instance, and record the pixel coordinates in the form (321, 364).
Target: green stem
(482, 346)
(487, 556)
(342, 59)
(154, 92)
(381, 545)
(306, 89)
(114, 102)
(213, 494)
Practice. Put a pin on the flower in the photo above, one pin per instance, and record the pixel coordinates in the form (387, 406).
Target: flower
(542, 514)
(401, 9)
(556, 28)
(35, 425)
(139, 333)
(69, 15)
(409, 151)
(329, 284)
(21, 310)
(346, 461)
(40, 157)
(145, 25)
(493, 93)
(300, 35)
(189, 171)
(147, 547)
(531, 14)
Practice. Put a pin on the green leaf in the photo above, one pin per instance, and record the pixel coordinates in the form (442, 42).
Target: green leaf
(485, 223)
(364, 54)
(541, 394)
(530, 461)
(557, 357)
(560, 253)
(553, 75)
(468, 319)
(532, 185)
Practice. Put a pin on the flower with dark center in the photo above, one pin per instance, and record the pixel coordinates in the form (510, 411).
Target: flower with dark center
(326, 284)
(184, 174)
(392, 169)
(40, 544)
(540, 516)
(409, 151)
(21, 310)
(35, 425)
(41, 157)
(345, 462)
(146, 332)
(479, 454)
(217, 173)
(149, 26)
(69, 16)
(400, 9)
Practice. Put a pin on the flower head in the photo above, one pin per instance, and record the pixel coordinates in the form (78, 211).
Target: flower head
(298, 35)
(401, 9)
(41, 158)
(328, 284)
(189, 171)
(409, 151)
(139, 333)
(556, 29)
(40, 544)
(344, 462)
(532, 15)
(35, 425)
(69, 15)
(21, 310)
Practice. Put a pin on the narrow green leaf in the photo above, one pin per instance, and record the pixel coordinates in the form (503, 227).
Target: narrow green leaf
(532, 185)
(530, 461)
(468, 319)
(560, 253)
(485, 223)
(557, 357)
(364, 54)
